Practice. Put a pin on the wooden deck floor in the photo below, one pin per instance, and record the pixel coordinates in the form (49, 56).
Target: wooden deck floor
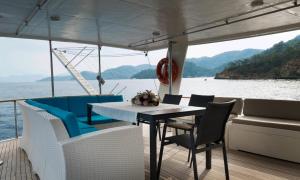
(241, 165)
(15, 162)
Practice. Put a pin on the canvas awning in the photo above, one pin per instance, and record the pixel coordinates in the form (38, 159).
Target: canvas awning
(146, 24)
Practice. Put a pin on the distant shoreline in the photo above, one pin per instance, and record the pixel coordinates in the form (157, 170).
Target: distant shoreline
(208, 78)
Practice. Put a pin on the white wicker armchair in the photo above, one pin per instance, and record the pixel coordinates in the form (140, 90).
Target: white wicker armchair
(115, 153)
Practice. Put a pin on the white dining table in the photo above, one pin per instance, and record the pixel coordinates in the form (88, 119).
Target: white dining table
(127, 112)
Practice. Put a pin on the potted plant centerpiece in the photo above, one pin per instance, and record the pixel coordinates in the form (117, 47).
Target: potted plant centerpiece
(146, 98)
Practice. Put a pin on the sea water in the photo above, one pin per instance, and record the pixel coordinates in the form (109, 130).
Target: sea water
(265, 89)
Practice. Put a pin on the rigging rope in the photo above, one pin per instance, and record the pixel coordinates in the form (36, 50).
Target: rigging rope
(87, 52)
(147, 57)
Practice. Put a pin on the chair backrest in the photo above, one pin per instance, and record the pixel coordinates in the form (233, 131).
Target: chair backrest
(200, 100)
(172, 99)
(211, 126)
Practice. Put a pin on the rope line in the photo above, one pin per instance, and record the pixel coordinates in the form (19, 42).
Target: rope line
(147, 57)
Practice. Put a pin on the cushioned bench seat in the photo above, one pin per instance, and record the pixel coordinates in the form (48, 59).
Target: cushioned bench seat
(73, 127)
(78, 105)
(47, 139)
(268, 122)
(85, 128)
(237, 108)
(267, 127)
(96, 119)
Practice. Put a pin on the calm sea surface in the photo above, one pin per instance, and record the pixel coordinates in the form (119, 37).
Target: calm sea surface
(266, 89)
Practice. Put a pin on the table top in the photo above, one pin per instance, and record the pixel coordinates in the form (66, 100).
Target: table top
(127, 106)
(183, 111)
(129, 112)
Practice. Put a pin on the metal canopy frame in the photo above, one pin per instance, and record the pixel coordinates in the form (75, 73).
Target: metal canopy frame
(32, 24)
(224, 22)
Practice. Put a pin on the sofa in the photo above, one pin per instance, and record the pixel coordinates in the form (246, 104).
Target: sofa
(237, 108)
(62, 146)
(267, 127)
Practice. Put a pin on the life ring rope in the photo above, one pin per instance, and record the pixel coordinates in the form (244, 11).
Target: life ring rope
(162, 71)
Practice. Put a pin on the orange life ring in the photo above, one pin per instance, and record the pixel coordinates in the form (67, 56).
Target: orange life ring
(162, 71)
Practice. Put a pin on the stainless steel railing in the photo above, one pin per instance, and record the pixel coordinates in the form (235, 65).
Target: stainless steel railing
(14, 101)
(15, 113)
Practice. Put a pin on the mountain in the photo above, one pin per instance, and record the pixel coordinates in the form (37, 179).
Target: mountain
(194, 67)
(124, 72)
(282, 61)
(145, 74)
(21, 78)
(121, 72)
(223, 58)
(190, 70)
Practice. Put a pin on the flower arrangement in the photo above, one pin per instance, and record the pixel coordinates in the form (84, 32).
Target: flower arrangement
(146, 98)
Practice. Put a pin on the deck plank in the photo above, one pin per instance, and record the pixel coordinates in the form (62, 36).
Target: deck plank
(2, 146)
(4, 158)
(242, 165)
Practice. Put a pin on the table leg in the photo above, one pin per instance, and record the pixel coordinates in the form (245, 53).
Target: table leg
(89, 113)
(153, 159)
(208, 157)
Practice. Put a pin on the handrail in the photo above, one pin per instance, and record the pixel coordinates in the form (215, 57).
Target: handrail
(14, 101)
(22, 99)
(11, 100)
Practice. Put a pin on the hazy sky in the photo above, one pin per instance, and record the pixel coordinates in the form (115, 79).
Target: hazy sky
(30, 57)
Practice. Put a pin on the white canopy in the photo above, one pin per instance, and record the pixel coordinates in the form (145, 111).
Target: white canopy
(146, 24)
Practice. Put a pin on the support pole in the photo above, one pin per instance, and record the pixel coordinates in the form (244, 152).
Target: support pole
(16, 120)
(99, 69)
(99, 76)
(51, 57)
(170, 51)
(51, 67)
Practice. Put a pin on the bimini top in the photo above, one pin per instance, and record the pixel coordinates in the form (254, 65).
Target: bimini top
(146, 24)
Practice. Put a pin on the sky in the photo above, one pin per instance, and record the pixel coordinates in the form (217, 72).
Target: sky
(31, 57)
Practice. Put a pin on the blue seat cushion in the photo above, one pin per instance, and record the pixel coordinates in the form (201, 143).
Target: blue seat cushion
(110, 98)
(78, 104)
(85, 128)
(68, 118)
(96, 119)
(37, 104)
(82, 125)
(59, 102)
(88, 130)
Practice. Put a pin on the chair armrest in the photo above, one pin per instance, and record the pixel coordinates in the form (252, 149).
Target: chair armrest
(115, 153)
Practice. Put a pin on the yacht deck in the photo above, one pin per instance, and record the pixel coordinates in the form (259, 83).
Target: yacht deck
(242, 165)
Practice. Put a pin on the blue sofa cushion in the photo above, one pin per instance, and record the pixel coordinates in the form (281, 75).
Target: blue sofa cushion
(88, 130)
(68, 118)
(110, 98)
(78, 104)
(37, 104)
(59, 102)
(96, 119)
(85, 128)
(82, 125)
